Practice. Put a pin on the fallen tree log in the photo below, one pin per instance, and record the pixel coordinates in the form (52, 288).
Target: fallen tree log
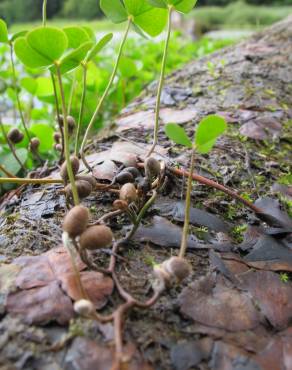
(250, 84)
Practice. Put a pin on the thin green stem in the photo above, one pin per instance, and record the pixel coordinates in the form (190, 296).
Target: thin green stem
(19, 180)
(58, 115)
(81, 110)
(12, 148)
(73, 86)
(16, 93)
(184, 240)
(104, 95)
(66, 138)
(44, 13)
(161, 83)
(141, 214)
(19, 108)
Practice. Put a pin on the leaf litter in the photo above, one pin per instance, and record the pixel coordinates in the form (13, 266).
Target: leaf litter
(44, 288)
(237, 300)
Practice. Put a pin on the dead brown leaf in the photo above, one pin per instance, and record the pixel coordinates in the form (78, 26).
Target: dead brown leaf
(261, 129)
(273, 296)
(186, 355)
(46, 285)
(103, 162)
(272, 213)
(105, 171)
(122, 149)
(176, 210)
(270, 254)
(227, 357)
(86, 354)
(146, 119)
(271, 358)
(98, 291)
(41, 305)
(211, 302)
(165, 234)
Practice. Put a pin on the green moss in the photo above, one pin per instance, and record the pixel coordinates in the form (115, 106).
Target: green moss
(238, 231)
(149, 260)
(201, 232)
(284, 277)
(11, 219)
(76, 328)
(285, 179)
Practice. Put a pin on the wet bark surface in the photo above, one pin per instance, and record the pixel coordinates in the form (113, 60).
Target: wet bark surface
(235, 310)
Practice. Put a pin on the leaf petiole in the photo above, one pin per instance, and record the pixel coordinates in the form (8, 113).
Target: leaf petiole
(104, 95)
(161, 83)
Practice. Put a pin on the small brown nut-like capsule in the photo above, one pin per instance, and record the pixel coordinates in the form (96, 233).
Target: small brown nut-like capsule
(71, 123)
(143, 185)
(32, 174)
(76, 220)
(70, 120)
(15, 136)
(34, 144)
(58, 147)
(124, 177)
(130, 160)
(84, 307)
(162, 278)
(128, 193)
(84, 189)
(96, 237)
(75, 167)
(177, 267)
(133, 171)
(57, 137)
(91, 179)
(120, 204)
(169, 272)
(152, 168)
(60, 119)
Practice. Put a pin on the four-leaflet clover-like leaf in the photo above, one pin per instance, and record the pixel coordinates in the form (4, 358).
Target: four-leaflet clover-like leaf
(183, 6)
(149, 19)
(29, 56)
(41, 47)
(3, 32)
(50, 42)
(73, 59)
(98, 47)
(4, 37)
(177, 134)
(208, 131)
(45, 47)
(76, 36)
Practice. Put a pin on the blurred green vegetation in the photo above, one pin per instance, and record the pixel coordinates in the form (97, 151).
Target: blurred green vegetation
(14, 11)
(254, 2)
(29, 10)
(139, 66)
(238, 14)
(98, 25)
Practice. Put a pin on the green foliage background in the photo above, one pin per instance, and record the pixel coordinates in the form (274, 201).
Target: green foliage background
(29, 10)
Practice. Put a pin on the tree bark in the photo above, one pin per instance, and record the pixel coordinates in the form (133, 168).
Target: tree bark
(249, 83)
